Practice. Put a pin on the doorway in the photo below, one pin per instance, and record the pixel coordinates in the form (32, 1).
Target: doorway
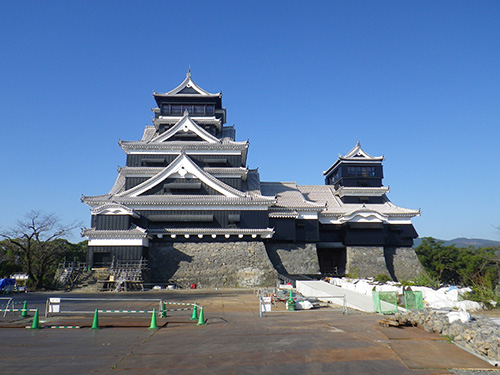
(332, 260)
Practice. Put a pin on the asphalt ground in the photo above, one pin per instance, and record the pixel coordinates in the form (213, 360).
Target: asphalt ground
(235, 340)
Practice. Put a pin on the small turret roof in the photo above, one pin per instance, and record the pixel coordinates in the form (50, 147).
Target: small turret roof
(357, 154)
(187, 88)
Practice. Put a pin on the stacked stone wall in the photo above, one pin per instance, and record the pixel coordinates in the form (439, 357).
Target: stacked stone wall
(405, 263)
(399, 263)
(293, 258)
(209, 265)
(366, 261)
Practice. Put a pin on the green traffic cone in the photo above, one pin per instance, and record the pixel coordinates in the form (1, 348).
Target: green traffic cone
(163, 312)
(195, 313)
(36, 323)
(95, 322)
(24, 313)
(201, 320)
(290, 303)
(153, 320)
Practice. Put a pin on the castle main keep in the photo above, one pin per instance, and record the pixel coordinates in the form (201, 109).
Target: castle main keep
(186, 202)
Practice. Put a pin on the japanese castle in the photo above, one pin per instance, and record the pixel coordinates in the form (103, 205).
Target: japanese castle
(187, 203)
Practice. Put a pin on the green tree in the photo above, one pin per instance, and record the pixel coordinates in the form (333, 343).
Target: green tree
(36, 244)
(462, 266)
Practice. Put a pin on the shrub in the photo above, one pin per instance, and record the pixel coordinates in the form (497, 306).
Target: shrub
(353, 274)
(483, 292)
(382, 278)
(427, 280)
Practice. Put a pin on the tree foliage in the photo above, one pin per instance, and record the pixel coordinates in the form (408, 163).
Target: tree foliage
(36, 244)
(460, 266)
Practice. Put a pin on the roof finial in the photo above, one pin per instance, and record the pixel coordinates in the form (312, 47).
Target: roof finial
(188, 75)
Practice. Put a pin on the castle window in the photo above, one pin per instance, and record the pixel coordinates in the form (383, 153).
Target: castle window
(176, 109)
(233, 218)
(210, 110)
(361, 171)
(199, 109)
(188, 108)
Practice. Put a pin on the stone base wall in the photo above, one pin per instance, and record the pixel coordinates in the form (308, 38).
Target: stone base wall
(399, 263)
(293, 258)
(209, 265)
(405, 262)
(366, 261)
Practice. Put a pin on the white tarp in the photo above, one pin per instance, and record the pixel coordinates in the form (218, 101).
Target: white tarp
(446, 297)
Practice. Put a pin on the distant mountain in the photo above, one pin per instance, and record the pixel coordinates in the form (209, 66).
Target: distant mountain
(464, 242)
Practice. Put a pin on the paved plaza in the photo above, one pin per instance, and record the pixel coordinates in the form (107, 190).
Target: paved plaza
(235, 340)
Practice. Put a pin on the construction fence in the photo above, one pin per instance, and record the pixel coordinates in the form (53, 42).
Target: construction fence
(387, 302)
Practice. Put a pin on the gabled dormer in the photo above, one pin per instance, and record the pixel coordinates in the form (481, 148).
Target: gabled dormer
(190, 97)
(182, 177)
(185, 130)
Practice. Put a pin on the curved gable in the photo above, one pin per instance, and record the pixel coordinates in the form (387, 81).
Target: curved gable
(183, 167)
(186, 125)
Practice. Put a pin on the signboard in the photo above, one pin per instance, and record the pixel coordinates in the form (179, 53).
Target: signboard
(54, 305)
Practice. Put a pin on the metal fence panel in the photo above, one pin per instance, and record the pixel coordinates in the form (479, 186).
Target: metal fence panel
(414, 300)
(385, 302)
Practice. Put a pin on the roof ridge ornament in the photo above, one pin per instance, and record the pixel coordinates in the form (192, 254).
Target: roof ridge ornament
(187, 83)
(358, 152)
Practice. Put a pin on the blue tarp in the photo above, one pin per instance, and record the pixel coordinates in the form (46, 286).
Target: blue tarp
(6, 282)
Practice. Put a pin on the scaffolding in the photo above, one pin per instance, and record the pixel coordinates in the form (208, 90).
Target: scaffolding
(125, 275)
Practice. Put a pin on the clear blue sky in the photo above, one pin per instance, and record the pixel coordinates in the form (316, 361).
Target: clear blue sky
(415, 81)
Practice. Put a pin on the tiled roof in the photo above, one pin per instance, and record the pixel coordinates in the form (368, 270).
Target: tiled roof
(325, 194)
(183, 200)
(187, 83)
(240, 171)
(187, 165)
(253, 182)
(143, 171)
(288, 196)
(119, 184)
(286, 214)
(151, 171)
(198, 119)
(223, 144)
(183, 145)
(209, 231)
(130, 233)
(186, 123)
(357, 154)
(320, 194)
(362, 191)
(149, 133)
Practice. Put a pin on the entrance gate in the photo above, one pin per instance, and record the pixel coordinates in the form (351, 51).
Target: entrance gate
(332, 260)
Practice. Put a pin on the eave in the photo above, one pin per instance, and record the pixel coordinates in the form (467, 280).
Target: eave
(190, 202)
(211, 232)
(361, 191)
(135, 233)
(179, 146)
